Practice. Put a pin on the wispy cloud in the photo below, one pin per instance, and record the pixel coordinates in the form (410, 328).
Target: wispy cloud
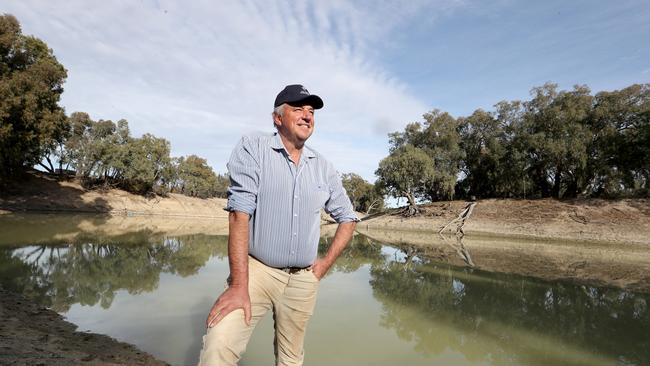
(201, 73)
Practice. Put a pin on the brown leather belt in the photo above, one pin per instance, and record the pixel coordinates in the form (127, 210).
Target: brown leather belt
(289, 270)
(293, 270)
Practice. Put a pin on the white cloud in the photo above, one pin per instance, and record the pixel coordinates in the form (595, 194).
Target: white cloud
(202, 73)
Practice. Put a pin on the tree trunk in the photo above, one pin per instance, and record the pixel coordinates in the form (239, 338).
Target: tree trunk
(572, 189)
(557, 182)
(412, 210)
(542, 181)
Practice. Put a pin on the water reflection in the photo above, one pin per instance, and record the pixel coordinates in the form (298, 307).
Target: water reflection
(153, 290)
(93, 268)
(495, 318)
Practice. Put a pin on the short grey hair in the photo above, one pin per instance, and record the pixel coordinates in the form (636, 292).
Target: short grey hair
(278, 111)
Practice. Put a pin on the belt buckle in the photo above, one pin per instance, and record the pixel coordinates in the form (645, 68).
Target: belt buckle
(291, 270)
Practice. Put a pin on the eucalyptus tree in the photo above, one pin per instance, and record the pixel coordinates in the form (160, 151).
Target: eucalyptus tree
(407, 172)
(554, 136)
(438, 137)
(31, 82)
(364, 196)
(196, 177)
(149, 162)
(620, 148)
(484, 142)
(92, 146)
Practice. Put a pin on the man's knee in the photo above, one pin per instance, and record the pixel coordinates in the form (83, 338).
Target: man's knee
(224, 344)
(219, 349)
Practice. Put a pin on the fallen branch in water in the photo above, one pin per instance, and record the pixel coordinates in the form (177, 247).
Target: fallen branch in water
(460, 220)
(460, 223)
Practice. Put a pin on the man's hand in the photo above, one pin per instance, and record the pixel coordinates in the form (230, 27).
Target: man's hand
(320, 268)
(341, 238)
(232, 299)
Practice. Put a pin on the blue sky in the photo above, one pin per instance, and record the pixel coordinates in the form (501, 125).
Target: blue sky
(202, 73)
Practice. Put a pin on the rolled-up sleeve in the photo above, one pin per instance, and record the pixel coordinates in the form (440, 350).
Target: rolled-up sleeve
(244, 171)
(338, 206)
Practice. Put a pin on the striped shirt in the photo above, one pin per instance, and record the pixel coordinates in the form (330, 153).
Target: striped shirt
(284, 201)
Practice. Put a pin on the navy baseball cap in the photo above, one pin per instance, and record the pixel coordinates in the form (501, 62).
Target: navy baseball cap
(297, 94)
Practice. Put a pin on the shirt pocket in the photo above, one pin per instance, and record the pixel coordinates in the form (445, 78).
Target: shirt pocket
(320, 196)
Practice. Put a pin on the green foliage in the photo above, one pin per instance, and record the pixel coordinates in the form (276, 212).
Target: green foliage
(196, 178)
(559, 144)
(31, 82)
(439, 138)
(620, 147)
(554, 138)
(104, 152)
(407, 172)
(484, 140)
(148, 159)
(365, 197)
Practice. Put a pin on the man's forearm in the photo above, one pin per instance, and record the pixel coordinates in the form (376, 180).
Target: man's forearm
(236, 295)
(238, 248)
(341, 238)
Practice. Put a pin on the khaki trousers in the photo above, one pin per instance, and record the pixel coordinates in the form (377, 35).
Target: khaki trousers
(292, 298)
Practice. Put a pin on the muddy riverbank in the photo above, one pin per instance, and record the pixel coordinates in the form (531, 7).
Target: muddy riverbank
(33, 335)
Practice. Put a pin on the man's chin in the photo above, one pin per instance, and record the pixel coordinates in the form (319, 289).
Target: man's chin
(305, 137)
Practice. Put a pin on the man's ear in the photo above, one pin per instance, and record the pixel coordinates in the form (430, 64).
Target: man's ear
(277, 120)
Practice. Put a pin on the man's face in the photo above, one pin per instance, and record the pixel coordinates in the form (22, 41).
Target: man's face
(296, 123)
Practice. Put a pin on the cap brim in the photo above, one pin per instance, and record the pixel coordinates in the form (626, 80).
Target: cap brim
(312, 100)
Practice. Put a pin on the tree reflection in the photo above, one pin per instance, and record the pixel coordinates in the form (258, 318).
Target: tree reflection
(91, 270)
(491, 317)
(360, 251)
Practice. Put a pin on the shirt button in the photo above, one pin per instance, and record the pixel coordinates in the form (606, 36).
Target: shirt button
(293, 252)
(294, 234)
(295, 215)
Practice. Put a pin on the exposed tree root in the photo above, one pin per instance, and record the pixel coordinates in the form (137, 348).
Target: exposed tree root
(410, 210)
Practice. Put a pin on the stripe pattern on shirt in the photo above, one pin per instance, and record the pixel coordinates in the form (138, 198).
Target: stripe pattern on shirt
(284, 200)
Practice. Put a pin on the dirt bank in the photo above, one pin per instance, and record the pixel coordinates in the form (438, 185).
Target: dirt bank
(31, 335)
(619, 221)
(594, 242)
(43, 193)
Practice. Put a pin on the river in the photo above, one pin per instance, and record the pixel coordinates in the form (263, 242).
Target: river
(379, 305)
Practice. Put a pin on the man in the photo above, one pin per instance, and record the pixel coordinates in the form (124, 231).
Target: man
(278, 186)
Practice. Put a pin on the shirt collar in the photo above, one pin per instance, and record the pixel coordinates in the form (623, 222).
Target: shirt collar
(276, 144)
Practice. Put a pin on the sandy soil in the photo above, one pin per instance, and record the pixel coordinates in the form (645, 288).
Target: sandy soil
(42, 193)
(31, 335)
(619, 221)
